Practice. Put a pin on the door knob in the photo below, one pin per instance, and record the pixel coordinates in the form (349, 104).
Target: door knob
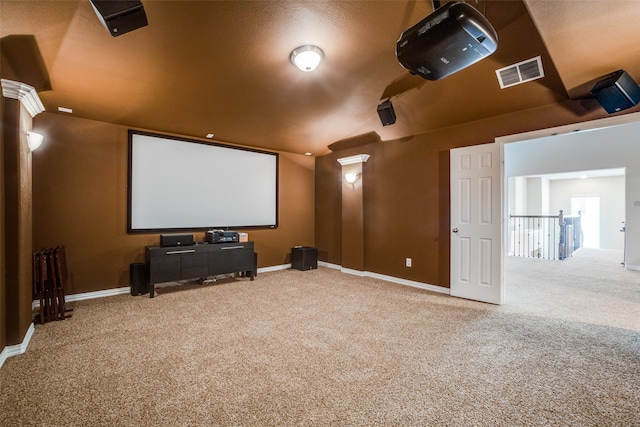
(455, 230)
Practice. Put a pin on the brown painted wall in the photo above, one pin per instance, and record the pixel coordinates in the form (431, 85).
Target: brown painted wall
(80, 201)
(406, 193)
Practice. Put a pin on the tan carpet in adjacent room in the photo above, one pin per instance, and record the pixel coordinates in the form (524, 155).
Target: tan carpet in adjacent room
(322, 347)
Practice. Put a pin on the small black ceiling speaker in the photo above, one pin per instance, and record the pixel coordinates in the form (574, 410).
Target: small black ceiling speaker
(617, 92)
(386, 113)
(120, 17)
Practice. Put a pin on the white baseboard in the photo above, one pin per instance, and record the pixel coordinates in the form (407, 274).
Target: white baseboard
(632, 267)
(14, 350)
(97, 294)
(327, 264)
(274, 268)
(392, 279)
(353, 272)
(412, 283)
(88, 295)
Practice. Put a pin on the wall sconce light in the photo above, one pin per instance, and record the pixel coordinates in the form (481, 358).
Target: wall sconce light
(34, 140)
(351, 178)
(307, 58)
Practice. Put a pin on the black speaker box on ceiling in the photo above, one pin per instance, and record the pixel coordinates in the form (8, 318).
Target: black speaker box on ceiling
(386, 113)
(120, 17)
(617, 92)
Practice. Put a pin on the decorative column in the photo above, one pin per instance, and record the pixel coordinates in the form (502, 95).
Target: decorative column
(352, 212)
(19, 105)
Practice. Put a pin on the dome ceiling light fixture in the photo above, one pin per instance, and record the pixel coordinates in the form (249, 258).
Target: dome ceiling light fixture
(307, 57)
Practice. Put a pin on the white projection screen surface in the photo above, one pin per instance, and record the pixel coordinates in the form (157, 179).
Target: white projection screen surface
(181, 184)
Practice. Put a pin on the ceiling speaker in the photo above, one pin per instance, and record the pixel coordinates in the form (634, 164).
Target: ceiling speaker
(120, 17)
(617, 92)
(386, 113)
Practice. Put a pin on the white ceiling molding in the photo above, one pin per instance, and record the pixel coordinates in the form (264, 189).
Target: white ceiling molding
(358, 158)
(571, 128)
(25, 93)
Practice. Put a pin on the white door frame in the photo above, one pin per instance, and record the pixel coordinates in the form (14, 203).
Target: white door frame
(584, 126)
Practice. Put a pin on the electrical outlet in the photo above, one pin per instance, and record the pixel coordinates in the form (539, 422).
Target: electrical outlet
(408, 262)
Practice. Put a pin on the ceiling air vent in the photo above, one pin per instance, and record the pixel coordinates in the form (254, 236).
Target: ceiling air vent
(522, 72)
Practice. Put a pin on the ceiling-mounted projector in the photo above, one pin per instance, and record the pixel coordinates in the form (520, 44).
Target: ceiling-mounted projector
(120, 16)
(453, 37)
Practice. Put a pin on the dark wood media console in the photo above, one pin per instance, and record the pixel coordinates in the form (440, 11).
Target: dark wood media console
(173, 263)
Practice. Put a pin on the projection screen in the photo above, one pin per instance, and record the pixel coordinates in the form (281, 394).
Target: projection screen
(182, 184)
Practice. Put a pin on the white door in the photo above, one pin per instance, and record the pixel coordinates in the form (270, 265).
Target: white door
(476, 226)
(589, 208)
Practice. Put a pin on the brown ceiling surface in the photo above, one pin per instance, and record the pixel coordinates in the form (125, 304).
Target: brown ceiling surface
(223, 67)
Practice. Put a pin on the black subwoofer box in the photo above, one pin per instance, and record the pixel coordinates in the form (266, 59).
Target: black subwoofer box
(304, 258)
(120, 17)
(138, 278)
(617, 92)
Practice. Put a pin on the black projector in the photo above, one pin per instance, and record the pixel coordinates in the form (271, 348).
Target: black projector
(120, 16)
(453, 37)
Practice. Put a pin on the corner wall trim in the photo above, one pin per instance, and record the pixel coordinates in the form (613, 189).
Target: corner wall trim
(14, 350)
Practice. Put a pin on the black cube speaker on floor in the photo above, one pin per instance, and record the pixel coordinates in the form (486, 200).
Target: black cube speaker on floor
(120, 17)
(617, 92)
(138, 278)
(386, 113)
(304, 258)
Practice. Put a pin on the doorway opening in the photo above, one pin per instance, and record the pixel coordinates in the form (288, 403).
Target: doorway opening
(588, 207)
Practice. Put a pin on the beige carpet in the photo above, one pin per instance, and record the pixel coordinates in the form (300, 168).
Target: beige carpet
(321, 347)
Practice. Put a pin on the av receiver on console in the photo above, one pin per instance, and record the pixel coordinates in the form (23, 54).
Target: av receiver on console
(220, 236)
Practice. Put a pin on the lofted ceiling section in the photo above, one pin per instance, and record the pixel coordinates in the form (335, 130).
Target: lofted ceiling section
(589, 38)
(222, 67)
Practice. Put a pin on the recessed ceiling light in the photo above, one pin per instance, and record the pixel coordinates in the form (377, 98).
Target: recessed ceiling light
(209, 135)
(307, 153)
(65, 110)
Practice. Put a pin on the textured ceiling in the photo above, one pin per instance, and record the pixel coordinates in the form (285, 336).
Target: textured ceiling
(223, 67)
